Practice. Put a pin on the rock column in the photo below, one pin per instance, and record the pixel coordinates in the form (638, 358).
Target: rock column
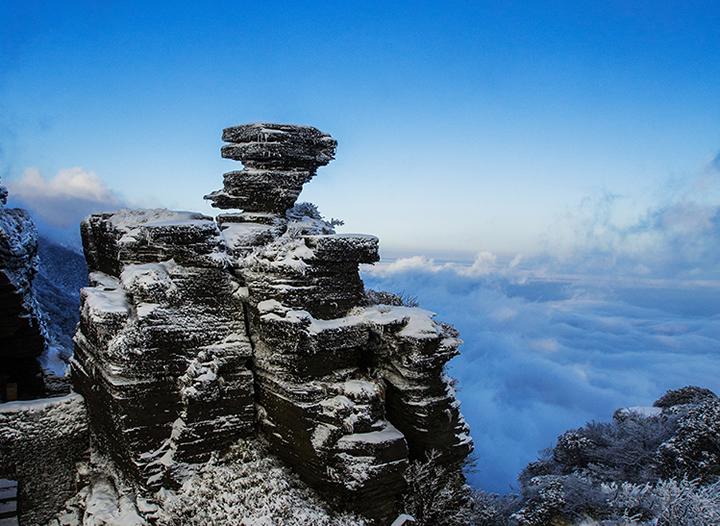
(161, 353)
(22, 332)
(347, 394)
(196, 332)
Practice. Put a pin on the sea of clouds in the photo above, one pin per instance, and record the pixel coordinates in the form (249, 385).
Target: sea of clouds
(542, 356)
(621, 306)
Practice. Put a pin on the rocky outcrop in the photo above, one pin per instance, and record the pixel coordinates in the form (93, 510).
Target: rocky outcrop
(162, 350)
(195, 332)
(278, 159)
(22, 333)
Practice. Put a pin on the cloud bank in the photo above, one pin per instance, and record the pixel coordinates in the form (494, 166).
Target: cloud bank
(624, 305)
(59, 204)
(676, 236)
(543, 356)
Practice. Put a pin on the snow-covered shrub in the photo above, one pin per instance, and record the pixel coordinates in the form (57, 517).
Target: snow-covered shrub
(634, 502)
(489, 509)
(248, 487)
(626, 448)
(437, 494)
(623, 450)
(301, 210)
(576, 500)
(685, 395)
(381, 297)
(305, 219)
(668, 503)
(687, 503)
(563, 497)
(694, 450)
(407, 300)
(640, 469)
(546, 506)
(575, 449)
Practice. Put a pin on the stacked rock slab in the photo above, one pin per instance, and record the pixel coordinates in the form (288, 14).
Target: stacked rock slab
(278, 159)
(195, 332)
(161, 353)
(22, 333)
(347, 394)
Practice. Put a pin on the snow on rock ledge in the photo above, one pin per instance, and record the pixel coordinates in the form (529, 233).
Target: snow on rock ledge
(162, 340)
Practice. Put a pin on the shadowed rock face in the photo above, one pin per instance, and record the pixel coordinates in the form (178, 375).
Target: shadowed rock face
(195, 332)
(41, 444)
(22, 333)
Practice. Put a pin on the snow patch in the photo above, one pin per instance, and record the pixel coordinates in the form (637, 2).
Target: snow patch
(388, 434)
(107, 301)
(42, 404)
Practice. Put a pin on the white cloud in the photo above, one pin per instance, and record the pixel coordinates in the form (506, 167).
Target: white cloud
(65, 199)
(419, 263)
(677, 235)
(484, 264)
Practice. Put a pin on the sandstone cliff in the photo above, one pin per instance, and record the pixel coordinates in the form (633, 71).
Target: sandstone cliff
(196, 332)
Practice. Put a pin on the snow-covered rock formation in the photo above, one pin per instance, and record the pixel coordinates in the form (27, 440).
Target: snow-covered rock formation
(22, 333)
(195, 332)
(162, 352)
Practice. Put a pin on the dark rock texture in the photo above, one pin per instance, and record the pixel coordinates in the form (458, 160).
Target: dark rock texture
(22, 332)
(161, 353)
(41, 443)
(195, 332)
(278, 159)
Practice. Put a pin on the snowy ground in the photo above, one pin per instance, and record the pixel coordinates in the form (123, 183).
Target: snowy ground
(246, 487)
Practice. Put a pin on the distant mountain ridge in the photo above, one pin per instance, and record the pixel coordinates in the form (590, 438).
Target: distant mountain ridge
(62, 272)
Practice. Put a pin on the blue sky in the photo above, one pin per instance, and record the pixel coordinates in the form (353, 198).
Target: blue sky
(544, 175)
(462, 125)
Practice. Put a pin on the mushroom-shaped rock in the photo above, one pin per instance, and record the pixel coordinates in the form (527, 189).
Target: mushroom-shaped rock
(278, 159)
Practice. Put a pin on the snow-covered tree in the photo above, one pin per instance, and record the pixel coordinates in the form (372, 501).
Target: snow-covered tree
(694, 450)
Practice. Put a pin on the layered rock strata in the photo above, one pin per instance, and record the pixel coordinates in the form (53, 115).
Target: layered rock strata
(22, 332)
(195, 332)
(162, 352)
(278, 159)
